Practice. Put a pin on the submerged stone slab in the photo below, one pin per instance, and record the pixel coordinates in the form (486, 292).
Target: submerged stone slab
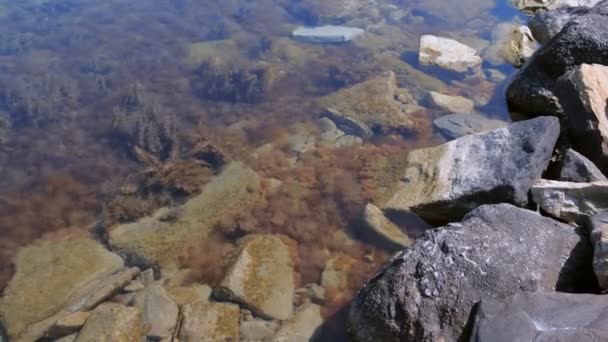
(327, 34)
(570, 202)
(543, 316)
(52, 274)
(454, 104)
(261, 277)
(426, 292)
(577, 168)
(112, 322)
(443, 183)
(457, 125)
(209, 322)
(447, 53)
(158, 240)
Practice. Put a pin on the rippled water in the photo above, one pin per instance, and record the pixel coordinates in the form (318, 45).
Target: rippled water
(103, 105)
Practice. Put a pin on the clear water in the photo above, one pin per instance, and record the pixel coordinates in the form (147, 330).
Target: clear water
(83, 82)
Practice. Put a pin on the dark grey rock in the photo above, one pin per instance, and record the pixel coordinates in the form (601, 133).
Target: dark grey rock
(598, 232)
(583, 40)
(577, 168)
(427, 291)
(547, 24)
(454, 126)
(543, 316)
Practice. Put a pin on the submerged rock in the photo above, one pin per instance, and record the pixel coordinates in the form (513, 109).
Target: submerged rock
(570, 202)
(112, 322)
(535, 5)
(542, 316)
(327, 34)
(257, 330)
(209, 322)
(576, 168)
(302, 326)
(261, 277)
(454, 104)
(511, 44)
(598, 233)
(447, 53)
(53, 276)
(378, 103)
(159, 311)
(583, 93)
(547, 24)
(426, 292)
(155, 240)
(383, 227)
(457, 125)
(443, 183)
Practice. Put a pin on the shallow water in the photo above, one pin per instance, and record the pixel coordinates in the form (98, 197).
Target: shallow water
(103, 103)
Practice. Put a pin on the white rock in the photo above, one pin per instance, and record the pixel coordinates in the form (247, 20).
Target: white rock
(327, 34)
(447, 53)
(453, 104)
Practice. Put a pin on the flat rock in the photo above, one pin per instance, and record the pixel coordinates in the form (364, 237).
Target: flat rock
(570, 202)
(598, 233)
(443, 183)
(543, 316)
(159, 311)
(449, 103)
(447, 53)
(383, 227)
(157, 240)
(547, 24)
(302, 326)
(327, 34)
(457, 125)
(67, 266)
(112, 322)
(378, 103)
(583, 93)
(576, 168)
(261, 277)
(426, 292)
(209, 322)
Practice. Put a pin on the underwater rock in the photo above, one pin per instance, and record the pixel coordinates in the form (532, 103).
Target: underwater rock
(542, 316)
(583, 93)
(532, 6)
(159, 311)
(327, 34)
(597, 226)
(570, 202)
(547, 24)
(453, 104)
(154, 240)
(68, 267)
(456, 16)
(261, 277)
(112, 322)
(426, 292)
(512, 44)
(302, 326)
(257, 330)
(192, 293)
(457, 125)
(447, 53)
(378, 103)
(209, 322)
(68, 325)
(576, 168)
(443, 183)
(319, 11)
(377, 222)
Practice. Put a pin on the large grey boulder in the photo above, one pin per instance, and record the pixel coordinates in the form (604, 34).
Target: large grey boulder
(427, 291)
(583, 40)
(543, 316)
(445, 182)
(576, 168)
(598, 232)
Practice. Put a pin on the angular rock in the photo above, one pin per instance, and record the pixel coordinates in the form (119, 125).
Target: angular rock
(156, 240)
(542, 316)
(426, 292)
(454, 104)
(598, 233)
(583, 93)
(261, 277)
(68, 325)
(327, 34)
(383, 227)
(576, 168)
(111, 322)
(443, 183)
(447, 53)
(209, 322)
(378, 103)
(302, 326)
(547, 24)
(159, 311)
(570, 202)
(48, 280)
(457, 125)
(581, 41)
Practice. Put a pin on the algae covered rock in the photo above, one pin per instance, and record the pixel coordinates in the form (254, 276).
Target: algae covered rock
(302, 326)
(209, 322)
(51, 274)
(159, 311)
(112, 322)
(156, 240)
(261, 277)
